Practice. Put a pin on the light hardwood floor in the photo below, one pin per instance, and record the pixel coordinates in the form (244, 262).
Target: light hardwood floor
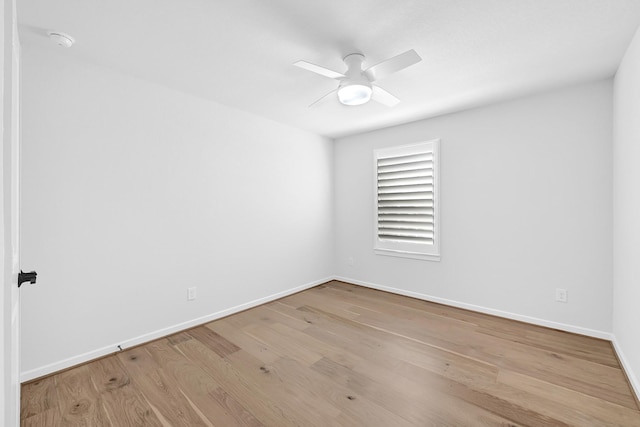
(343, 355)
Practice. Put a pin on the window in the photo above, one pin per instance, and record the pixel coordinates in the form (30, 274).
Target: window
(406, 213)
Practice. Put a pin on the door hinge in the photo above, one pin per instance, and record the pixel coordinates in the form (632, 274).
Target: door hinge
(27, 277)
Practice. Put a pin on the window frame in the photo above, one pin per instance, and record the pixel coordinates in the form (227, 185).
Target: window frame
(420, 251)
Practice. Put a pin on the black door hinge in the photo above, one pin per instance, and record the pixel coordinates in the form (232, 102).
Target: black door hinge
(27, 277)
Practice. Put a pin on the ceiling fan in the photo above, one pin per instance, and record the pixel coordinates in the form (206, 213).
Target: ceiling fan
(356, 85)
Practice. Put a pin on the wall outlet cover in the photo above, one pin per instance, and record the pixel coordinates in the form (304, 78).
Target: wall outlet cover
(561, 295)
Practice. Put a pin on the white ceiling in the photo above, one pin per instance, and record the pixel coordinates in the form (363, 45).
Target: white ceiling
(240, 52)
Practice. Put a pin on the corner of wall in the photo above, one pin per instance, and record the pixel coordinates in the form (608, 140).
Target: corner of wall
(626, 209)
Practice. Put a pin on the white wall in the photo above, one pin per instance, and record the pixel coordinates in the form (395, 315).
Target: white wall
(525, 208)
(626, 211)
(133, 192)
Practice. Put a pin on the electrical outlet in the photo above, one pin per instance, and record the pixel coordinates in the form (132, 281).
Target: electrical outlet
(351, 262)
(561, 295)
(191, 293)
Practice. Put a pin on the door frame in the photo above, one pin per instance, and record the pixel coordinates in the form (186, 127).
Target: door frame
(10, 298)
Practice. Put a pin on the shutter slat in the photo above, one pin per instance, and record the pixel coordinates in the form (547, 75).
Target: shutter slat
(405, 181)
(405, 233)
(399, 203)
(406, 210)
(383, 176)
(406, 218)
(406, 239)
(400, 225)
(399, 167)
(399, 189)
(406, 196)
(410, 158)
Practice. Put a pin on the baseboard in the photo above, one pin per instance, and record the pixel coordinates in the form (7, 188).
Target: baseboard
(634, 380)
(110, 349)
(527, 319)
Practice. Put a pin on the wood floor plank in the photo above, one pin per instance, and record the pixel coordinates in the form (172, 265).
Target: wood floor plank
(270, 379)
(178, 338)
(587, 408)
(49, 417)
(258, 349)
(355, 408)
(159, 389)
(214, 341)
(123, 403)
(79, 402)
(592, 350)
(409, 399)
(286, 347)
(268, 314)
(200, 388)
(337, 307)
(38, 396)
(261, 403)
(344, 355)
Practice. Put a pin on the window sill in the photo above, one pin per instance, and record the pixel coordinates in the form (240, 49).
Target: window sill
(405, 254)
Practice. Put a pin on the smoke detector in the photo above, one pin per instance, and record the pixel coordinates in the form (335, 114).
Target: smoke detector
(61, 39)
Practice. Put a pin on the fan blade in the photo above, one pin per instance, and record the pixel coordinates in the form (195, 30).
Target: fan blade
(390, 66)
(383, 97)
(319, 70)
(323, 98)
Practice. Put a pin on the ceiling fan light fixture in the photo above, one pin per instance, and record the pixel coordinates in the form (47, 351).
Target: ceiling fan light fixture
(354, 94)
(355, 86)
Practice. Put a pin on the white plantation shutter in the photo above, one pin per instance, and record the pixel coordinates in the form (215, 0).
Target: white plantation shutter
(406, 201)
